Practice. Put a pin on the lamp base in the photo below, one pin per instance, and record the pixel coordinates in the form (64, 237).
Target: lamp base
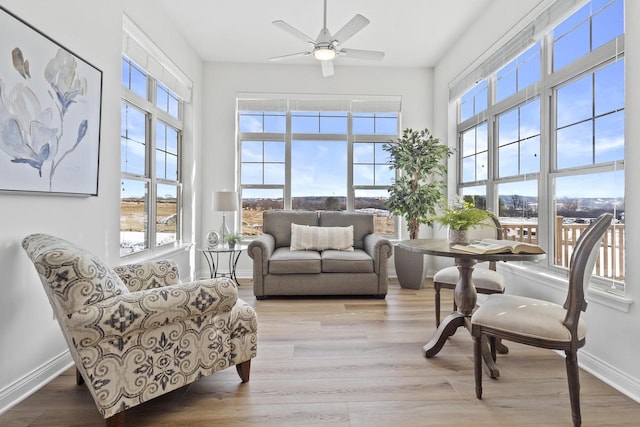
(224, 230)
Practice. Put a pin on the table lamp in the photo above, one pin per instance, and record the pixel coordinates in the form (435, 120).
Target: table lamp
(224, 201)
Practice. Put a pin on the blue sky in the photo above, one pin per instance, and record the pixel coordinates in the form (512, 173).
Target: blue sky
(319, 167)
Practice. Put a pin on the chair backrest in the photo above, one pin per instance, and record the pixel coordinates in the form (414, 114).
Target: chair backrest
(490, 228)
(581, 267)
(72, 277)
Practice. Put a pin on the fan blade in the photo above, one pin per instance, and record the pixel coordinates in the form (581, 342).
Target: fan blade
(357, 23)
(291, 55)
(362, 54)
(327, 68)
(297, 33)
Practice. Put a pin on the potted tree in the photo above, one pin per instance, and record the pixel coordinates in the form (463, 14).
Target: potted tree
(417, 193)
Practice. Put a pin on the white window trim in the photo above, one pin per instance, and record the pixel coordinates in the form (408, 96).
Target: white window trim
(611, 51)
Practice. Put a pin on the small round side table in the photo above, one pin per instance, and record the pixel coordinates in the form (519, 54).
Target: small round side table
(212, 255)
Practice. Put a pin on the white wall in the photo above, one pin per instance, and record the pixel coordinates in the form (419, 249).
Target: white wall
(33, 349)
(612, 342)
(224, 81)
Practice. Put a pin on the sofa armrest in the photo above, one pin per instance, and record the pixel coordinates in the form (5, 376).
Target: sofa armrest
(124, 314)
(379, 249)
(148, 274)
(260, 250)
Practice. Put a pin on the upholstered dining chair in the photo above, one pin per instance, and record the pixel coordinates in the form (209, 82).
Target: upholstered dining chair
(485, 280)
(543, 324)
(136, 332)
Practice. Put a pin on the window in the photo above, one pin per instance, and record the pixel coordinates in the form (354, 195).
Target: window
(150, 138)
(519, 73)
(518, 138)
(590, 118)
(319, 175)
(547, 151)
(474, 102)
(475, 154)
(315, 155)
(595, 24)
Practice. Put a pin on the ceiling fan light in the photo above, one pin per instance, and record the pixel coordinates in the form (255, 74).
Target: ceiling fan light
(324, 54)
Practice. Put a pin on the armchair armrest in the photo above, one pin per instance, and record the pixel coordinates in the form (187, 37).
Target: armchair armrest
(149, 274)
(124, 314)
(378, 248)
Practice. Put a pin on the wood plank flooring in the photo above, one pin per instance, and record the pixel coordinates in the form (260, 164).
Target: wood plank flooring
(353, 362)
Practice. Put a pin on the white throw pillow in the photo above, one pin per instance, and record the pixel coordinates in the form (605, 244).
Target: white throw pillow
(309, 238)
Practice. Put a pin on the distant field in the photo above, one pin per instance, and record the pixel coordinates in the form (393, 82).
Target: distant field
(132, 216)
(132, 219)
(252, 223)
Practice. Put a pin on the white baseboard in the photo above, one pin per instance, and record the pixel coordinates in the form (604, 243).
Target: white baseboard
(617, 379)
(24, 387)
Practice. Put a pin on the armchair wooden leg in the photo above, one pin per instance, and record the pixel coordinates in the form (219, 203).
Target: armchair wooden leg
(79, 379)
(244, 369)
(116, 420)
(574, 386)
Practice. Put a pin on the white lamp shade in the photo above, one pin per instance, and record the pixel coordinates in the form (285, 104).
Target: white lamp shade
(225, 201)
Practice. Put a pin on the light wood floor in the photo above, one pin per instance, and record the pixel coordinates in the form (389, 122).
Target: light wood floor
(353, 362)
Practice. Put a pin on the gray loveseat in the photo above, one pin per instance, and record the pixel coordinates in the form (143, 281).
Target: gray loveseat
(278, 270)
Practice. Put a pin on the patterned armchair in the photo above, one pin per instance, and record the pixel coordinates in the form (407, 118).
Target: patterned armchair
(135, 332)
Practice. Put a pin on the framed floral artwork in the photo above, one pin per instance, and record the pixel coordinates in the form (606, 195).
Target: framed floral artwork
(50, 106)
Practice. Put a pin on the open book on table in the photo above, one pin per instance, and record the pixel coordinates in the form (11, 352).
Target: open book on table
(495, 246)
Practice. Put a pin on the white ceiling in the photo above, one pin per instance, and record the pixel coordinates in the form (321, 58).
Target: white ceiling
(412, 33)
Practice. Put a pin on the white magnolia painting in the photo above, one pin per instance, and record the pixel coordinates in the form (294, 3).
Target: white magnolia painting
(49, 114)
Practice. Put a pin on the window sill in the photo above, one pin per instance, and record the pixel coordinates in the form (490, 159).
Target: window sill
(161, 252)
(558, 282)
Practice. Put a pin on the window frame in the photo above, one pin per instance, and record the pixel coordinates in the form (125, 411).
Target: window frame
(546, 90)
(289, 137)
(153, 114)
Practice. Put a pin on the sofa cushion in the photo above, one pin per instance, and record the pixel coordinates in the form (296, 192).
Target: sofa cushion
(286, 261)
(357, 261)
(305, 238)
(362, 224)
(278, 224)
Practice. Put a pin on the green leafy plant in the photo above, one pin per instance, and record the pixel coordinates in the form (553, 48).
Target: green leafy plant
(463, 215)
(418, 190)
(232, 238)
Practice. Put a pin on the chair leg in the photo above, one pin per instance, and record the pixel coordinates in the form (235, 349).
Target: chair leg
(116, 420)
(477, 364)
(493, 342)
(244, 370)
(500, 347)
(574, 386)
(437, 303)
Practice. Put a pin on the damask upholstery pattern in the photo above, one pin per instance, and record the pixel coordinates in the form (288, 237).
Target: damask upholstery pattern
(135, 332)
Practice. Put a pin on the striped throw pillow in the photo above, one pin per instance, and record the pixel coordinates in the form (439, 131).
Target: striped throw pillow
(309, 238)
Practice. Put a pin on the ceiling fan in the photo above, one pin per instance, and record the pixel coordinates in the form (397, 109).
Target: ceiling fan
(327, 47)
